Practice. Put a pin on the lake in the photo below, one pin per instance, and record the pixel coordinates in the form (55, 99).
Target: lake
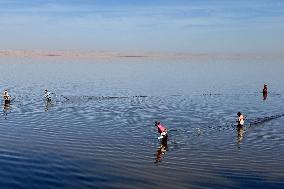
(98, 131)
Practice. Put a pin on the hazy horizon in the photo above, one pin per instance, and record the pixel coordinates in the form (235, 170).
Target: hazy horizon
(134, 25)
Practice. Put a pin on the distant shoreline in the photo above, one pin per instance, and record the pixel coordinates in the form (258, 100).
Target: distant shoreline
(121, 55)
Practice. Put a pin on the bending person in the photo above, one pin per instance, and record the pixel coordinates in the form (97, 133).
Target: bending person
(162, 130)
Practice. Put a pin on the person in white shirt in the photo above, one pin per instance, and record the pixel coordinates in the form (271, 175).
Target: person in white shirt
(6, 96)
(241, 118)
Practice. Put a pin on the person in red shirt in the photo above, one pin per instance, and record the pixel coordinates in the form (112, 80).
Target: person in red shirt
(162, 130)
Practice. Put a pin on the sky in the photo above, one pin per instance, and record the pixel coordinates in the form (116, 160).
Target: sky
(253, 26)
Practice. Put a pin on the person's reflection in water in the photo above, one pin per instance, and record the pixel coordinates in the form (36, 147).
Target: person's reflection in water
(161, 150)
(240, 132)
(6, 109)
(264, 95)
(48, 104)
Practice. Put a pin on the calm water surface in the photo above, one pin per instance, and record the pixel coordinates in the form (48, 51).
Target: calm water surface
(98, 131)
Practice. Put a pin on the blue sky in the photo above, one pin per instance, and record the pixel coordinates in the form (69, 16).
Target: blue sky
(143, 25)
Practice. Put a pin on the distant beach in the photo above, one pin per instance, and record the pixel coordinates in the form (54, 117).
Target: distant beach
(123, 55)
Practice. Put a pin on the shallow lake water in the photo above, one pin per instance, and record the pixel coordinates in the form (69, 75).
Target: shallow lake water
(98, 131)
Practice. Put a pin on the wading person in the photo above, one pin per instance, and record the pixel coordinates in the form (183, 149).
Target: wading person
(241, 119)
(162, 130)
(47, 95)
(6, 97)
(264, 90)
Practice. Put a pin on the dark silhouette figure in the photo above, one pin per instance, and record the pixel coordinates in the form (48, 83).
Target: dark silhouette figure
(264, 92)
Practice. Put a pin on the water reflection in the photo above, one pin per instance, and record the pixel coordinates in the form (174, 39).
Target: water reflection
(264, 95)
(240, 133)
(161, 150)
(6, 109)
(48, 104)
